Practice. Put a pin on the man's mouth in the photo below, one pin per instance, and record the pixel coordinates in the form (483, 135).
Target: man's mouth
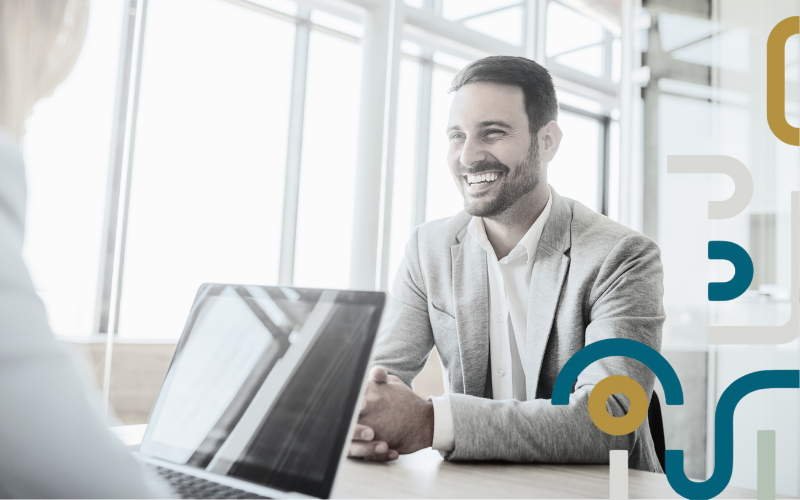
(482, 178)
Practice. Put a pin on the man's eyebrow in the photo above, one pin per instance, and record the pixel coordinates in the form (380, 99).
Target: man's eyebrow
(495, 123)
(452, 128)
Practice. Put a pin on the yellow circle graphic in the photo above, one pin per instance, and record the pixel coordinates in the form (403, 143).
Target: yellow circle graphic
(618, 384)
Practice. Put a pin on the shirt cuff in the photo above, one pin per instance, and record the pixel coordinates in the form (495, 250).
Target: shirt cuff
(443, 438)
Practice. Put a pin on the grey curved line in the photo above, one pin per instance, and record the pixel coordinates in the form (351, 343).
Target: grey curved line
(782, 334)
(717, 164)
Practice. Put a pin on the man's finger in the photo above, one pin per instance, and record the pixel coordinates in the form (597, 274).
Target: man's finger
(378, 374)
(363, 433)
(394, 379)
(373, 450)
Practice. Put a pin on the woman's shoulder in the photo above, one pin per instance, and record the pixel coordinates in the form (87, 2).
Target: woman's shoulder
(12, 181)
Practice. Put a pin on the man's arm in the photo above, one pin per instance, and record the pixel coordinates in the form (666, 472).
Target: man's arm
(406, 337)
(626, 303)
(404, 344)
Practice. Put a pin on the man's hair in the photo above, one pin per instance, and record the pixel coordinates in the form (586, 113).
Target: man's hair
(535, 81)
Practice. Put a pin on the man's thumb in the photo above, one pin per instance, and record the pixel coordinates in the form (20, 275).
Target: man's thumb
(379, 374)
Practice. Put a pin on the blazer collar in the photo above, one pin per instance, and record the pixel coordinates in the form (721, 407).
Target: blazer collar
(547, 280)
(471, 300)
(557, 230)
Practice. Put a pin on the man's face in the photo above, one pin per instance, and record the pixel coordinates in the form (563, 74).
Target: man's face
(493, 157)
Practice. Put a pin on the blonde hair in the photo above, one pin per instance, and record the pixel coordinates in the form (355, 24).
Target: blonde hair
(39, 43)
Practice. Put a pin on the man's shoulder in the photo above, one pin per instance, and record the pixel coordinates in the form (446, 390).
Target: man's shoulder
(593, 233)
(443, 232)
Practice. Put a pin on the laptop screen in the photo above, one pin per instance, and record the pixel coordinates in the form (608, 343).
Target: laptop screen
(264, 384)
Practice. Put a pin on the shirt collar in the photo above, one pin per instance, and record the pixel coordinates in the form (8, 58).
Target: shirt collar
(529, 242)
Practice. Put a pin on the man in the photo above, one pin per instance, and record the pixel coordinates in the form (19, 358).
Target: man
(508, 291)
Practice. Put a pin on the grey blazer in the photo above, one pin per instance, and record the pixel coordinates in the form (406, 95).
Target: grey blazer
(592, 279)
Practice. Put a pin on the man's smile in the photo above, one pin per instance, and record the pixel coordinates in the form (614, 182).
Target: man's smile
(481, 182)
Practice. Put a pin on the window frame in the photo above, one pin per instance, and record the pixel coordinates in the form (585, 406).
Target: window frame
(421, 26)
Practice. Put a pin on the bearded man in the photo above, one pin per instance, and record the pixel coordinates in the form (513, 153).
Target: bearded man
(507, 291)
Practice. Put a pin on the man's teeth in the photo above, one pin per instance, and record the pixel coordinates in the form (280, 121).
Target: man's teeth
(487, 177)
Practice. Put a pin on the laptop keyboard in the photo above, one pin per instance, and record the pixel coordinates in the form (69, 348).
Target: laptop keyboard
(188, 486)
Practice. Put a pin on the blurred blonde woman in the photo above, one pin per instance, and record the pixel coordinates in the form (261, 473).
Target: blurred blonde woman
(53, 442)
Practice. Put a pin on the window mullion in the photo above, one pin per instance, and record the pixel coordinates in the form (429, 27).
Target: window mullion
(119, 133)
(125, 169)
(422, 145)
(291, 196)
(604, 167)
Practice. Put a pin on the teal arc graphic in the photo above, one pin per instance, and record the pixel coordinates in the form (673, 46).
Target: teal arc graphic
(743, 274)
(673, 392)
(723, 434)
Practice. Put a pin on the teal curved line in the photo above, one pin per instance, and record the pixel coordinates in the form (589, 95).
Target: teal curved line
(743, 274)
(723, 434)
(651, 358)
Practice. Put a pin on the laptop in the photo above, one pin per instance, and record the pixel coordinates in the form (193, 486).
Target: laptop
(261, 395)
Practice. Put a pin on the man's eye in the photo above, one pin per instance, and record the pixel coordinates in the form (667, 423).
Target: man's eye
(456, 137)
(493, 132)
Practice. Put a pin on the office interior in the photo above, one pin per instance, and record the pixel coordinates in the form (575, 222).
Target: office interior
(299, 142)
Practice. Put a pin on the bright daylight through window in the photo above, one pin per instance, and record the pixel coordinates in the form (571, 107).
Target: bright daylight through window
(204, 138)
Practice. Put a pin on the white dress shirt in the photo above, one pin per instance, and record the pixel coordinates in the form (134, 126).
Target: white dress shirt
(509, 286)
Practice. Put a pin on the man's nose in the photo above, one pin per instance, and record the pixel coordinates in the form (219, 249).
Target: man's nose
(472, 152)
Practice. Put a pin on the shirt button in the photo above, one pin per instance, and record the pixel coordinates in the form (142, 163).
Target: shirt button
(502, 372)
(502, 318)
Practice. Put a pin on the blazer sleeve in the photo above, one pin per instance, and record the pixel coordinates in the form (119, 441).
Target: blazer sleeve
(627, 303)
(53, 442)
(406, 338)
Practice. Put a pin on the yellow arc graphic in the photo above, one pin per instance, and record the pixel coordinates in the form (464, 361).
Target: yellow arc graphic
(618, 384)
(776, 80)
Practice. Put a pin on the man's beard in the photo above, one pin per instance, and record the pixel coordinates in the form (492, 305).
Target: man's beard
(524, 180)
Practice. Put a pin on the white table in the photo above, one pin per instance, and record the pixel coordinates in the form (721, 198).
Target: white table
(425, 474)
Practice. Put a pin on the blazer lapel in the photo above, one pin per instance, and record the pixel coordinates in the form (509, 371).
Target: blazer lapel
(471, 297)
(549, 271)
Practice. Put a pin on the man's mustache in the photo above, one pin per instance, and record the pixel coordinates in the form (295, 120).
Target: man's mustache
(482, 166)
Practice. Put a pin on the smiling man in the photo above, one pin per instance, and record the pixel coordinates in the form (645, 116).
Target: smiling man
(507, 291)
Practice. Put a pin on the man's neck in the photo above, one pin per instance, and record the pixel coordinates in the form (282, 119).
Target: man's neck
(505, 230)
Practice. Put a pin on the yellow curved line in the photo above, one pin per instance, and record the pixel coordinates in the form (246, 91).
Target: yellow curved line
(776, 80)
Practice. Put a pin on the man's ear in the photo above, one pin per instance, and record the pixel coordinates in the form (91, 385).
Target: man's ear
(549, 137)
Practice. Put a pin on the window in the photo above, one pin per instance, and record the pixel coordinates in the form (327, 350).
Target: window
(576, 171)
(444, 198)
(66, 152)
(209, 148)
(580, 42)
(405, 166)
(207, 187)
(328, 171)
(501, 19)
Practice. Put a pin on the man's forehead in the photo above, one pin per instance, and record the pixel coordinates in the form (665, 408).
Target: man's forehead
(479, 102)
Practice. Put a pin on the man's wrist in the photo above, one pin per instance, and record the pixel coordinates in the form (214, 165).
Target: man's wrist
(427, 425)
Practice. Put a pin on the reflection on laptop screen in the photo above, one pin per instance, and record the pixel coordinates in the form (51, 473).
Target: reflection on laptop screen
(264, 383)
